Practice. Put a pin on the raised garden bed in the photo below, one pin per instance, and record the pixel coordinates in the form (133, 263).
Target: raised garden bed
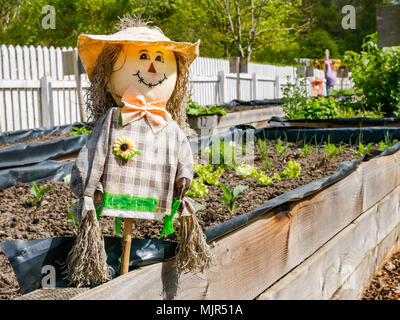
(263, 242)
(254, 113)
(337, 123)
(39, 154)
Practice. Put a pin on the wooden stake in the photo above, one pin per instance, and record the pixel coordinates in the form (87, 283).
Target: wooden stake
(126, 245)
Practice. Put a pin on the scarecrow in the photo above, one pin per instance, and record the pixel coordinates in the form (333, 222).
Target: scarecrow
(137, 163)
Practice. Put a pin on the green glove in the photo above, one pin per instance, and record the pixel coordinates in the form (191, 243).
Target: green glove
(168, 226)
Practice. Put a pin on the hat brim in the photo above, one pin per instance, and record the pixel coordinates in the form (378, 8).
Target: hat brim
(90, 47)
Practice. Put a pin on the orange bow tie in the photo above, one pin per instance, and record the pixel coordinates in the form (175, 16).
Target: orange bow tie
(136, 107)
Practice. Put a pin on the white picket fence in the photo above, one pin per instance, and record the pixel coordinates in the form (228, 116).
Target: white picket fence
(35, 93)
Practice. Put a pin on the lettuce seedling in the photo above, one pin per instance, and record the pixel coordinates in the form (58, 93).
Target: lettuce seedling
(292, 171)
(207, 173)
(197, 189)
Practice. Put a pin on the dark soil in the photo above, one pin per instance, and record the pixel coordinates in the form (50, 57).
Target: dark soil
(386, 284)
(40, 139)
(18, 220)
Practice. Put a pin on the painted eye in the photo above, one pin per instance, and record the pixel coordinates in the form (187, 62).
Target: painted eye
(144, 56)
(160, 58)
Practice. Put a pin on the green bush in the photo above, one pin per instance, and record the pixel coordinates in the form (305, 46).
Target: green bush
(376, 76)
(296, 105)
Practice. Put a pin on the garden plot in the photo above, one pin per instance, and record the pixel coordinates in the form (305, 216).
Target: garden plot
(278, 167)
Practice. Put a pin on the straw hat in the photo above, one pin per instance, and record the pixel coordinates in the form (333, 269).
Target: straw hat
(90, 46)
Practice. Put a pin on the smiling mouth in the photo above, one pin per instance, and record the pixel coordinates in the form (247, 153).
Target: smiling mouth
(148, 84)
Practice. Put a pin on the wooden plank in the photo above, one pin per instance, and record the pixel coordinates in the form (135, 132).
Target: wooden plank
(254, 257)
(366, 271)
(332, 266)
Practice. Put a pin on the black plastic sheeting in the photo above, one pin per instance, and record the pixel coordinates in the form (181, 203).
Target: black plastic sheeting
(46, 170)
(29, 134)
(149, 251)
(28, 258)
(36, 152)
(373, 122)
(333, 135)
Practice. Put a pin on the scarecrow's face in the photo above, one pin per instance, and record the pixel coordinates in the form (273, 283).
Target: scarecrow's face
(152, 70)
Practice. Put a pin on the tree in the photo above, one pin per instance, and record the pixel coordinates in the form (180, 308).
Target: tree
(251, 24)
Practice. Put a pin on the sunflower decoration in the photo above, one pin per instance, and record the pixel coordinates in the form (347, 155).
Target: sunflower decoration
(124, 148)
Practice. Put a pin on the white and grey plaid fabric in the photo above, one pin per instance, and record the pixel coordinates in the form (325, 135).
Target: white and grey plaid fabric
(165, 156)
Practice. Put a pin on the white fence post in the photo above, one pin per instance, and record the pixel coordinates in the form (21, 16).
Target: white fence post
(46, 105)
(254, 86)
(277, 87)
(221, 80)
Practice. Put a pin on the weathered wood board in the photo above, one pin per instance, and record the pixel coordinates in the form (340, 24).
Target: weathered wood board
(252, 258)
(213, 124)
(344, 265)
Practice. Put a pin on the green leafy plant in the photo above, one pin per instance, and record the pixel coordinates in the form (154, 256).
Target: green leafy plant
(263, 179)
(262, 149)
(376, 77)
(246, 171)
(332, 151)
(193, 109)
(306, 150)
(276, 177)
(79, 131)
(38, 194)
(231, 196)
(292, 171)
(207, 173)
(222, 153)
(197, 189)
(281, 148)
(297, 105)
(387, 143)
(362, 149)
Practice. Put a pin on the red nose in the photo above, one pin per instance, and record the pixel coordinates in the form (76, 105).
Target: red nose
(152, 69)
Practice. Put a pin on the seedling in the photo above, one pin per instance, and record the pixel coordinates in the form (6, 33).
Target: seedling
(292, 171)
(38, 194)
(77, 131)
(207, 173)
(262, 149)
(362, 149)
(383, 145)
(223, 154)
(332, 151)
(231, 196)
(263, 179)
(246, 171)
(307, 150)
(281, 148)
(276, 177)
(197, 189)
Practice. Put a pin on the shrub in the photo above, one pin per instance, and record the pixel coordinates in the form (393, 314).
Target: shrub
(376, 76)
